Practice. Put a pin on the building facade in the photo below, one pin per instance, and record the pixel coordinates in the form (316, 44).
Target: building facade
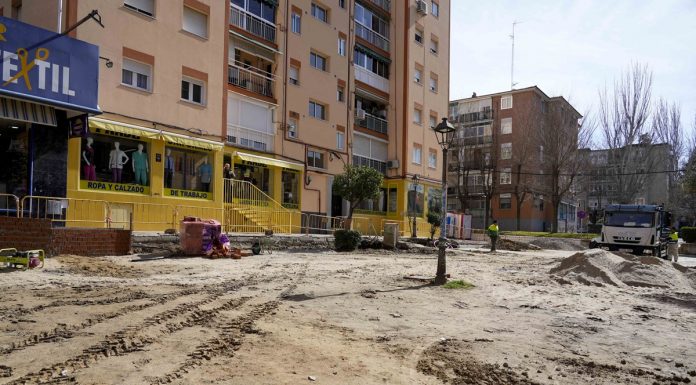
(496, 168)
(285, 92)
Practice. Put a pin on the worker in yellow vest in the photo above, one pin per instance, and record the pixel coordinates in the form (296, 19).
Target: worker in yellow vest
(673, 245)
(493, 232)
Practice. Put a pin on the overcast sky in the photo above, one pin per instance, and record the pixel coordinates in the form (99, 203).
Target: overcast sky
(573, 48)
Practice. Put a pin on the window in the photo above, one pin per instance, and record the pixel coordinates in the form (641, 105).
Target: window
(341, 94)
(506, 126)
(294, 75)
(417, 116)
(419, 36)
(342, 3)
(434, 46)
(506, 176)
(364, 59)
(192, 90)
(315, 159)
(146, 7)
(506, 102)
(433, 84)
(433, 121)
(370, 20)
(292, 128)
(186, 169)
(317, 61)
(505, 201)
(195, 22)
(340, 140)
(320, 13)
(506, 151)
(130, 156)
(435, 9)
(136, 74)
(317, 110)
(342, 46)
(418, 76)
(296, 22)
(417, 153)
(432, 159)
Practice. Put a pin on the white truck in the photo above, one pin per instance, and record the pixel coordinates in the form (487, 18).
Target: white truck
(635, 227)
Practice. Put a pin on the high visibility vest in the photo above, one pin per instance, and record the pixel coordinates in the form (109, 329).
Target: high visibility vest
(493, 230)
(674, 236)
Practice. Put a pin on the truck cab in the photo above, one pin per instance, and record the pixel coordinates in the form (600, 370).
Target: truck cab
(635, 227)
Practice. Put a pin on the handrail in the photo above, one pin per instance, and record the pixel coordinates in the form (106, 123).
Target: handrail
(231, 185)
(251, 80)
(6, 207)
(253, 24)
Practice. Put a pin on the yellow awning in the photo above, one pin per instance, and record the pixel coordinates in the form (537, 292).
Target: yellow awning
(123, 128)
(191, 142)
(269, 161)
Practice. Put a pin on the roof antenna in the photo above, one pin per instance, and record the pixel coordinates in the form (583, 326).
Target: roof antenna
(512, 62)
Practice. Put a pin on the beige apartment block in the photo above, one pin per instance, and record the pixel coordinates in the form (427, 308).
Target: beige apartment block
(287, 92)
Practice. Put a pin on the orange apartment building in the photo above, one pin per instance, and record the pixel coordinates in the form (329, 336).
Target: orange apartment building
(497, 153)
(286, 92)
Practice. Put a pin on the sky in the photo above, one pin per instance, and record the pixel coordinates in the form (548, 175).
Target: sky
(574, 48)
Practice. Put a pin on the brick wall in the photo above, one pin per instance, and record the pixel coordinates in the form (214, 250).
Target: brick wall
(26, 234)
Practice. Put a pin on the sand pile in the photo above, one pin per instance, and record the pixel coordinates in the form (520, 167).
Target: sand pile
(558, 244)
(599, 267)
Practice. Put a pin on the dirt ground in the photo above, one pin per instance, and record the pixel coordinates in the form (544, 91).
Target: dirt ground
(337, 318)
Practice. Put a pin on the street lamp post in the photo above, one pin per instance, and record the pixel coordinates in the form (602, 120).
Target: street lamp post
(414, 212)
(445, 134)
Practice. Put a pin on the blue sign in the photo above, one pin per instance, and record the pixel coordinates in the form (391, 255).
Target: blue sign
(48, 68)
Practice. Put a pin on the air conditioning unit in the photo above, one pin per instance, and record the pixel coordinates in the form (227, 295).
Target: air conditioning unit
(421, 7)
(360, 113)
(393, 163)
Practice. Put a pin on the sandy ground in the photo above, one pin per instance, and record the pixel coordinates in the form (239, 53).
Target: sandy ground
(341, 319)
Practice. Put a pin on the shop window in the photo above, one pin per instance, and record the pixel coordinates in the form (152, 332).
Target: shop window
(257, 174)
(416, 198)
(121, 159)
(291, 188)
(378, 205)
(434, 199)
(186, 169)
(393, 199)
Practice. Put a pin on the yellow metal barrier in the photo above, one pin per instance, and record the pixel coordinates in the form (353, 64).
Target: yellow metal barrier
(9, 206)
(321, 224)
(248, 209)
(67, 211)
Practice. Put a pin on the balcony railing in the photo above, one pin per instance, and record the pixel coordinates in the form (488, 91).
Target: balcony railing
(376, 164)
(371, 36)
(371, 79)
(384, 4)
(474, 140)
(373, 123)
(249, 138)
(253, 24)
(252, 79)
(472, 117)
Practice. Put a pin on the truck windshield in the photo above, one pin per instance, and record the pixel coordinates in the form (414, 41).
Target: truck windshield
(624, 219)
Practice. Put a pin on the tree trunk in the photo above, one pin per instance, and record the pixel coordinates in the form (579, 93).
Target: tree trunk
(555, 202)
(518, 210)
(348, 224)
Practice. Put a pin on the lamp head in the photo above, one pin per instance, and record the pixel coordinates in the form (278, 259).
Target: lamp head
(444, 132)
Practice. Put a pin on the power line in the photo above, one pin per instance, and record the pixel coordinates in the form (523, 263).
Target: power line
(585, 175)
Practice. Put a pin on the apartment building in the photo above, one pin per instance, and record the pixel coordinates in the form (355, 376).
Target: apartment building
(497, 166)
(285, 92)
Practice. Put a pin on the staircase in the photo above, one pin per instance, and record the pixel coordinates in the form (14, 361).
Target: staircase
(248, 209)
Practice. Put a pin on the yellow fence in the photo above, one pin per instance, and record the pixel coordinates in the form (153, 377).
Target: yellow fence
(248, 209)
(66, 211)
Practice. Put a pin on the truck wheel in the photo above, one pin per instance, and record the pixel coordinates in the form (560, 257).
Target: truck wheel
(613, 248)
(593, 245)
(638, 251)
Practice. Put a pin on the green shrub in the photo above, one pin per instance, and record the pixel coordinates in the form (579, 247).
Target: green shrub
(458, 284)
(688, 234)
(346, 240)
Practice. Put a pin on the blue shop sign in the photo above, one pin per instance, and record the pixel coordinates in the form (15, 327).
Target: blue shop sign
(45, 67)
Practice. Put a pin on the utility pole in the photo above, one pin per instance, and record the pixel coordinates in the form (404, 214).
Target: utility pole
(512, 61)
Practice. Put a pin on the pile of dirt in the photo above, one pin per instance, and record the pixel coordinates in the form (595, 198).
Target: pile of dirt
(558, 244)
(96, 267)
(599, 267)
(451, 361)
(508, 244)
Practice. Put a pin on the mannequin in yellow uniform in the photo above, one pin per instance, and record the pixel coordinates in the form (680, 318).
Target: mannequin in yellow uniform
(493, 233)
(673, 245)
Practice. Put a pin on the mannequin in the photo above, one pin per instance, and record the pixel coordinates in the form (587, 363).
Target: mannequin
(117, 158)
(168, 168)
(205, 172)
(140, 166)
(88, 168)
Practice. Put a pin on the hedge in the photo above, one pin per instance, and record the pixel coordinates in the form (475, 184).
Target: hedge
(346, 240)
(688, 234)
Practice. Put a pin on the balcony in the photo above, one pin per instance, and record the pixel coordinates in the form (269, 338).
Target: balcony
(384, 4)
(249, 138)
(474, 140)
(371, 79)
(475, 117)
(251, 79)
(373, 123)
(371, 37)
(372, 163)
(253, 24)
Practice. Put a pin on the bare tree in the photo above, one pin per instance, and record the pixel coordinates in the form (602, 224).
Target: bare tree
(687, 178)
(526, 156)
(563, 135)
(624, 116)
(667, 128)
